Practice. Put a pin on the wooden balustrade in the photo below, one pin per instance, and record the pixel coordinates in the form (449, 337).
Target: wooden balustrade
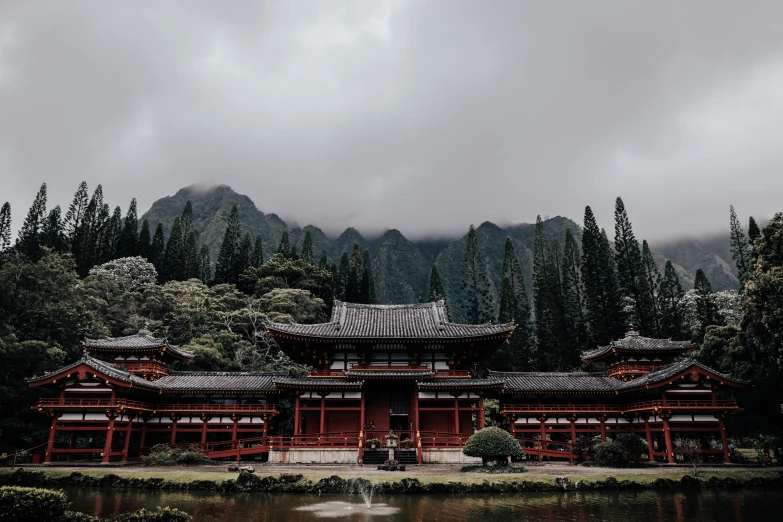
(656, 405)
(452, 374)
(89, 403)
(144, 367)
(399, 367)
(630, 369)
(327, 373)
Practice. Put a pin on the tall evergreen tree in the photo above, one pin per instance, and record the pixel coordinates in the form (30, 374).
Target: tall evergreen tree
(190, 261)
(129, 239)
(172, 260)
(229, 250)
(102, 221)
(145, 240)
(436, 292)
(158, 251)
(88, 243)
(652, 284)
(546, 338)
(323, 263)
(342, 275)
(670, 303)
(576, 328)
(515, 306)
(52, 231)
(477, 303)
(629, 269)
(205, 273)
(284, 247)
(739, 245)
(354, 281)
(364, 288)
(29, 242)
(245, 254)
(367, 264)
(754, 232)
(5, 227)
(75, 215)
(307, 247)
(706, 308)
(110, 238)
(603, 309)
(257, 257)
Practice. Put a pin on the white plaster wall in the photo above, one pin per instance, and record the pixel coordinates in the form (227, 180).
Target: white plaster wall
(447, 456)
(314, 456)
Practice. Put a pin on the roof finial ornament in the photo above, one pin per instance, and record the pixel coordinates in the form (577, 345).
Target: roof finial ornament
(632, 333)
(145, 331)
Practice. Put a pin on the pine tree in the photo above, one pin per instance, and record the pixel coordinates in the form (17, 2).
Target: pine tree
(284, 247)
(546, 339)
(191, 256)
(205, 273)
(515, 306)
(145, 240)
(52, 231)
(128, 245)
(753, 234)
(670, 303)
(172, 259)
(323, 263)
(5, 227)
(354, 281)
(244, 256)
(706, 309)
(293, 254)
(602, 298)
(364, 288)
(307, 247)
(229, 250)
(75, 215)
(576, 329)
(101, 229)
(342, 276)
(367, 263)
(158, 251)
(629, 268)
(29, 242)
(257, 257)
(739, 245)
(436, 292)
(477, 303)
(652, 283)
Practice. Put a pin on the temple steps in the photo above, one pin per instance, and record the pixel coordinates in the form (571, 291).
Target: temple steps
(380, 456)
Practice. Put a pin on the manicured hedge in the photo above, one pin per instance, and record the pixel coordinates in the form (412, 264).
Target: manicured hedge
(492, 444)
(165, 514)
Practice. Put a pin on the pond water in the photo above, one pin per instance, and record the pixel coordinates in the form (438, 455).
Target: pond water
(636, 506)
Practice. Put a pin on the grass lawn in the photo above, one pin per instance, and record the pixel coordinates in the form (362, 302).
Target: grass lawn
(180, 475)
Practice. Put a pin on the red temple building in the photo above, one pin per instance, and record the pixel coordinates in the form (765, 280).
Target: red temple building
(377, 369)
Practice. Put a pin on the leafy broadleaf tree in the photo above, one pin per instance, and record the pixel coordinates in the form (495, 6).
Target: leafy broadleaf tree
(670, 302)
(739, 245)
(29, 242)
(477, 303)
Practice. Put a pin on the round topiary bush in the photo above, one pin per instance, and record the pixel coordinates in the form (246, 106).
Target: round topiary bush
(492, 445)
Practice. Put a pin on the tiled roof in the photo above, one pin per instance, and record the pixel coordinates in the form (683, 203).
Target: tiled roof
(449, 384)
(391, 374)
(316, 383)
(634, 342)
(409, 321)
(219, 381)
(140, 341)
(103, 367)
(558, 382)
(669, 371)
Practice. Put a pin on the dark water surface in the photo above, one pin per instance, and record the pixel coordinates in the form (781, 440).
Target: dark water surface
(635, 506)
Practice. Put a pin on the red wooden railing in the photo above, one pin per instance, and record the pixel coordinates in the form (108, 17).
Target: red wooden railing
(682, 405)
(327, 373)
(144, 367)
(397, 367)
(442, 439)
(632, 369)
(87, 403)
(565, 408)
(453, 374)
(611, 408)
(92, 403)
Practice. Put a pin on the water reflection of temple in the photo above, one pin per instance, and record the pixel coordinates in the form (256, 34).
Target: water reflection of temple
(377, 368)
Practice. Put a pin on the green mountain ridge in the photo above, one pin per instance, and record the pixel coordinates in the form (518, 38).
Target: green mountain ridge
(401, 266)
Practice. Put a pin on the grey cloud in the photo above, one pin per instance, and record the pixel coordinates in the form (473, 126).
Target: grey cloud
(422, 116)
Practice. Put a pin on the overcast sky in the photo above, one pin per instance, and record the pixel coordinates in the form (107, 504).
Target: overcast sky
(420, 115)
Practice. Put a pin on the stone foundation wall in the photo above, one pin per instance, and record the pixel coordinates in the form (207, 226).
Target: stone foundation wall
(447, 456)
(314, 456)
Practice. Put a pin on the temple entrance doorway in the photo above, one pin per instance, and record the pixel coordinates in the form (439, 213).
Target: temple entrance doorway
(399, 401)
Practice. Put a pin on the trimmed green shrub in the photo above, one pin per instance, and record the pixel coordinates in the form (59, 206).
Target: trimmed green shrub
(623, 450)
(31, 504)
(165, 455)
(76, 516)
(498, 470)
(492, 445)
(165, 514)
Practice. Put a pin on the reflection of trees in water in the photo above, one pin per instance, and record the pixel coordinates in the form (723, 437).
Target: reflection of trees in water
(620, 506)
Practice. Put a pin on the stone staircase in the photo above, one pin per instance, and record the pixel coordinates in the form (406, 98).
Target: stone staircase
(379, 456)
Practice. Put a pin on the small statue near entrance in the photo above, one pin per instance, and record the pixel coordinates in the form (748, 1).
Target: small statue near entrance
(392, 439)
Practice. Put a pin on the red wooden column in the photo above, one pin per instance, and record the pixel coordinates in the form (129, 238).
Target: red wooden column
(481, 413)
(361, 413)
(724, 441)
(234, 428)
(126, 444)
(602, 420)
(174, 429)
(50, 442)
(572, 419)
(456, 414)
(204, 422)
(109, 433)
(543, 438)
(323, 413)
(650, 446)
(297, 414)
(668, 434)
